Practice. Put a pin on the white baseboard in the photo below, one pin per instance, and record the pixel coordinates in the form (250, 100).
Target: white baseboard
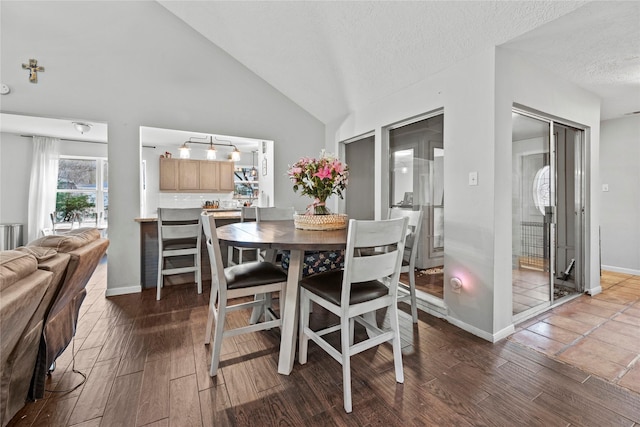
(123, 291)
(479, 332)
(620, 270)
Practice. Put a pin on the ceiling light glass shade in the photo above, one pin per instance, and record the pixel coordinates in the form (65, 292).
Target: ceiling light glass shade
(235, 154)
(211, 153)
(82, 127)
(254, 171)
(184, 151)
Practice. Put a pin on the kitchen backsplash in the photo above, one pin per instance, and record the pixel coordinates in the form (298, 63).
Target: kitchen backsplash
(187, 200)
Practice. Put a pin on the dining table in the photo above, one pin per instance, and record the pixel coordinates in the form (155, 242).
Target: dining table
(283, 235)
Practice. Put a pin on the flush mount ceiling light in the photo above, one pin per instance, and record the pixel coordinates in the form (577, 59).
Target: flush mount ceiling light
(211, 151)
(82, 127)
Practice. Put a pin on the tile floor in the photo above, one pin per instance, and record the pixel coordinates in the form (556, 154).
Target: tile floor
(600, 334)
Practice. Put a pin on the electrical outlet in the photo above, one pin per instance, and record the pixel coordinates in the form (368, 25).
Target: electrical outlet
(473, 178)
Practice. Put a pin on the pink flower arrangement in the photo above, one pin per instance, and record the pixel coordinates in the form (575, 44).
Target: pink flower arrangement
(319, 179)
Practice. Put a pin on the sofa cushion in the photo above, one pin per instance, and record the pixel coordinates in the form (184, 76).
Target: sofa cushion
(14, 266)
(68, 241)
(41, 254)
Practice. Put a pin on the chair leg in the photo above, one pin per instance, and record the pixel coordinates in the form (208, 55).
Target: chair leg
(371, 318)
(160, 276)
(303, 339)
(352, 329)
(217, 338)
(412, 292)
(198, 272)
(230, 256)
(210, 317)
(395, 341)
(346, 363)
(257, 312)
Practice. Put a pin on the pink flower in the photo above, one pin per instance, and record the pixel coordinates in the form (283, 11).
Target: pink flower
(323, 172)
(295, 171)
(337, 166)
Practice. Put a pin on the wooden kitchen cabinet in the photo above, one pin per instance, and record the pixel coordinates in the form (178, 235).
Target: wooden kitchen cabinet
(196, 176)
(209, 175)
(189, 175)
(226, 182)
(168, 174)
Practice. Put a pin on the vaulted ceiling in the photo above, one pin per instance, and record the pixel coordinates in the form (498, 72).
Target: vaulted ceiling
(333, 57)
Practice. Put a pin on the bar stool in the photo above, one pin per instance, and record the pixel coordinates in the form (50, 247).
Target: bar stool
(179, 232)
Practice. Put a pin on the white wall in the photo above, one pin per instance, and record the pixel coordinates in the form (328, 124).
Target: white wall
(133, 64)
(477, 95)
(15, 171)
(620, 209)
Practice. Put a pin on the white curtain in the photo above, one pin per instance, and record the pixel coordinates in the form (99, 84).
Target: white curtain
(43, 184)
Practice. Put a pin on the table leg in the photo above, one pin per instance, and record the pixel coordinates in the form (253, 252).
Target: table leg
(289, 314)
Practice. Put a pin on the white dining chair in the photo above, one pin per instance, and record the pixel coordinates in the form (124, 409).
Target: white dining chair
(367, 283)
(247, 213)
(409, 257)
(237, 281)
(179, 232)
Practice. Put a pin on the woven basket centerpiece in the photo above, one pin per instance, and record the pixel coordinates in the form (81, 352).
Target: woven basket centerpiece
(320, 222)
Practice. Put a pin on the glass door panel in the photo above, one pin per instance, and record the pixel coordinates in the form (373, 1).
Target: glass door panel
(416, 182)
(533, 204)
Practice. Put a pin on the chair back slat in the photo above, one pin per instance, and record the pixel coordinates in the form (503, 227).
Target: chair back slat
(371, 234)
(372, 267)
(248, 212)
(274, 214)
(179, 214)
(180, 231)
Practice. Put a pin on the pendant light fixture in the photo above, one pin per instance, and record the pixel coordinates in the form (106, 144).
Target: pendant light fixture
(254, 171)
(211, 151)
(185, 149)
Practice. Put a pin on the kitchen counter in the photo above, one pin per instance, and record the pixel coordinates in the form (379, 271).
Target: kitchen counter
(217, 213)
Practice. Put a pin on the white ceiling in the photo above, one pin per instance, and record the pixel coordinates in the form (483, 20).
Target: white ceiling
(333, 57)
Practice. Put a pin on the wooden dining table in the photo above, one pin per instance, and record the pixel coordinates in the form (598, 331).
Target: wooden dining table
(282, 235)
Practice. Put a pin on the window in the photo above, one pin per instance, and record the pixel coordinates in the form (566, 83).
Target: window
(82, 193)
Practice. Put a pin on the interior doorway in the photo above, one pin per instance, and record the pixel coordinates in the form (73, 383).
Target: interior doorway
(547, 213)
(360, 194)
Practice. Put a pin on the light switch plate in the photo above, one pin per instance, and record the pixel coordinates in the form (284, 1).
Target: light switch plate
(605, 187)
(473, 178)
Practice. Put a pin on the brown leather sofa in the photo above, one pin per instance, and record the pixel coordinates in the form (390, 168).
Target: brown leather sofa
(22, 291)
(67, 260)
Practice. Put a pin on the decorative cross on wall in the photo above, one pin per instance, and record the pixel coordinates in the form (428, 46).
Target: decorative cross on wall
(33, 70)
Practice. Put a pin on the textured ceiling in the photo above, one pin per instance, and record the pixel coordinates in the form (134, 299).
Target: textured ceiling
(332, 58)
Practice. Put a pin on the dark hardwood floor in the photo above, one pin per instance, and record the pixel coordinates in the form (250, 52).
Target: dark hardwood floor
(147, 366)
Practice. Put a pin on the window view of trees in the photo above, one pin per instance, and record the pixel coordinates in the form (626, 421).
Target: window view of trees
(82, 190)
